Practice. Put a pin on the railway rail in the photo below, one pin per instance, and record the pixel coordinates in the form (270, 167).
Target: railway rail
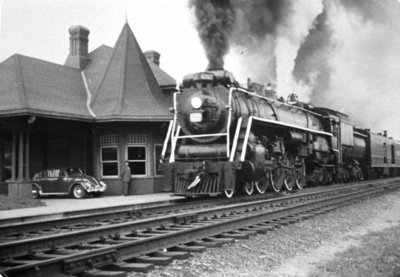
(32, 226)
(113, 250)
(17, 228)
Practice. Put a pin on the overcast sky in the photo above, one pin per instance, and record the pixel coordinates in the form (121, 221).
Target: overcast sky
(361, 67)
(39, 29)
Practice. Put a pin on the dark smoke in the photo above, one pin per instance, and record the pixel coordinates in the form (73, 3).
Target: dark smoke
(215, 21)
(256, 19)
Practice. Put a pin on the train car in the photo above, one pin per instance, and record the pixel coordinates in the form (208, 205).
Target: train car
(226, 139)
(384, 155)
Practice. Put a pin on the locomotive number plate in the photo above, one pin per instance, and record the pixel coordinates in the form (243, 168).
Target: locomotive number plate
(196, 117)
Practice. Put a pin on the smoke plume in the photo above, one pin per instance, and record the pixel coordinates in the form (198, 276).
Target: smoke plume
(340, 54)
(215, 20)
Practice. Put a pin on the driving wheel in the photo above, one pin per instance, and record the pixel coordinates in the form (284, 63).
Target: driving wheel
(262, 184)
(277, 178)
(228, 193)
(301, 175)
(249, 188)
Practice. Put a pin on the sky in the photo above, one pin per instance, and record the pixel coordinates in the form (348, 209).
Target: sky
(341, 54)
(39, 29)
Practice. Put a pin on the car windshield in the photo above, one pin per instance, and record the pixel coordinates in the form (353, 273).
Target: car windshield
(74, 171)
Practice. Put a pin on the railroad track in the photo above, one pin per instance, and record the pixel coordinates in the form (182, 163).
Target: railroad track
(33, 226)
(113, 250)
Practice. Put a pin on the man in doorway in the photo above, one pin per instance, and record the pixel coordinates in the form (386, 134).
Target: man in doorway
(126, 178)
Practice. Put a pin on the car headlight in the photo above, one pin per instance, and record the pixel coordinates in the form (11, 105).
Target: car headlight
(86, 184)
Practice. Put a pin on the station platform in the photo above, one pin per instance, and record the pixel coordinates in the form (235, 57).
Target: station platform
(57, 208)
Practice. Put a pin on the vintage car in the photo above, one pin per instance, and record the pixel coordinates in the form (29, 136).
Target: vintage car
(66, 181)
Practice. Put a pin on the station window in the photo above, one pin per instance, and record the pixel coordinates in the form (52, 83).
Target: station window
(384, 153)
(109, 155)
(109, 161)
(136, 154)
(137, 159)
(8, 161)
(393, 154)
(157, 156)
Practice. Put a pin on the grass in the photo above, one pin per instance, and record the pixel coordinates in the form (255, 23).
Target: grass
(377, 255)
(14, 203)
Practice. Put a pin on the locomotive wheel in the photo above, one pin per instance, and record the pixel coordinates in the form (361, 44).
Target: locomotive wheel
(301, 176)
(290, 174)
(277, 179)
(228, 193)
(249, 187)
(300, 181)
(290, 180)
(262, 184)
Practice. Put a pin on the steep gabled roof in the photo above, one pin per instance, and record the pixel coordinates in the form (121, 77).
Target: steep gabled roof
(128, 89)
(99, 59)
(33, 86)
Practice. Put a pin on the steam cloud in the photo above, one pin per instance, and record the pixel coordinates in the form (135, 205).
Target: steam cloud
(340, 54)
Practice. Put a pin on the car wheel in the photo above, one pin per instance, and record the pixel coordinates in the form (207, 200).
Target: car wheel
(78, 192)
(97, 194)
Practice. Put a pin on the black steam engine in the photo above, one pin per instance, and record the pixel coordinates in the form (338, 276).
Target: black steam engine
(227, 139)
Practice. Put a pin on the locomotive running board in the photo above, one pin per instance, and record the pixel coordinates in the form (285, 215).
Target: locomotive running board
(249, 125)
(291, 126)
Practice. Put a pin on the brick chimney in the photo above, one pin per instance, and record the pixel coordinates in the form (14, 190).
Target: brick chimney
(78, 48)
(153, 56)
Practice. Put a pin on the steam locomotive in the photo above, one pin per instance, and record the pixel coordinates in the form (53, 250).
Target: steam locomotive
(225, 139)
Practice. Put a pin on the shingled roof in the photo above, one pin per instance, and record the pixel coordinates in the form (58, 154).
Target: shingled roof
(32, 86)
(121, 83)
(99, 59)
(128, 89)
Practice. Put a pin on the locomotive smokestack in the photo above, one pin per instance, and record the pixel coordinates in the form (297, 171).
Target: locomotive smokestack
(210, 68)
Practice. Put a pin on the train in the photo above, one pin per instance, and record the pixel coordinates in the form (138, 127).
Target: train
(226, 139)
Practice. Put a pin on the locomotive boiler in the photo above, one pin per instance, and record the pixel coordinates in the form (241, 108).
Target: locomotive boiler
(226, 139)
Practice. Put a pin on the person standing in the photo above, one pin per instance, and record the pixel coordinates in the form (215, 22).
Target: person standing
(126, 178)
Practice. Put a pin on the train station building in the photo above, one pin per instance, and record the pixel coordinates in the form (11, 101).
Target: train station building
(94, 112)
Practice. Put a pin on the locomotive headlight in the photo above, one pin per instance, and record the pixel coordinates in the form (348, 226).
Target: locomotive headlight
(196, 102)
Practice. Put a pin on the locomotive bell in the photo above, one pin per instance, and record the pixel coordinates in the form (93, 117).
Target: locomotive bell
(292, 99)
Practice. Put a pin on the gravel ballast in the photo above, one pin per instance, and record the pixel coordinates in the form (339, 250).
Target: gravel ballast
(320, 246)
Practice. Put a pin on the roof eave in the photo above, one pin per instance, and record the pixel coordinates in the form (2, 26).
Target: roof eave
(55, 115)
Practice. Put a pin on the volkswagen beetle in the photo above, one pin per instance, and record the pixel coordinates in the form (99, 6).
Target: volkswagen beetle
(66, 181)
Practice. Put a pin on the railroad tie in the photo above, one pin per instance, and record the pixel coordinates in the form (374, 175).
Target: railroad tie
(136, 267)
(101, 273)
